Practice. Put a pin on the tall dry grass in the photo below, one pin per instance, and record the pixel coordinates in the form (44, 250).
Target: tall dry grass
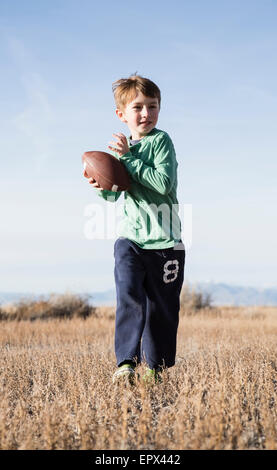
(56, 390)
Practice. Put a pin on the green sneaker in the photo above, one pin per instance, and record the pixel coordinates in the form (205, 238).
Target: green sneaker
(124, 373)
(152, 376)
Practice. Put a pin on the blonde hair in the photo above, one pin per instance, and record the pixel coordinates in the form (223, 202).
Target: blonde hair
(126, 89)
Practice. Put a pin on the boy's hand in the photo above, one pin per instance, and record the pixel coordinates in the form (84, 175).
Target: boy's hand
(92, 181)
(121, 146)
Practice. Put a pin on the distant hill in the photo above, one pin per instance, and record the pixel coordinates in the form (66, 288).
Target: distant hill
(221, 294)
(7, 297)
(107, 297)
(98, 298)
(226, 294)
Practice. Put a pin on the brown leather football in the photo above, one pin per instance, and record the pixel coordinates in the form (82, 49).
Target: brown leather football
(109, 172)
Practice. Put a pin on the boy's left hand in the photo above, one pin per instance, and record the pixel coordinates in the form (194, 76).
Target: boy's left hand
(121, 146)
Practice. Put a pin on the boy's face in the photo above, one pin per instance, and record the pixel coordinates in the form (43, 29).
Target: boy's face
(141, 115)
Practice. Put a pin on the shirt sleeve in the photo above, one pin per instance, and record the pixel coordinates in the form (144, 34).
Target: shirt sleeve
(110, 196)
(161, 176)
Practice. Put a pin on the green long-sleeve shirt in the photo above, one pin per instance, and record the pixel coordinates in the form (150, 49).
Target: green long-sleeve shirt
(150, 205)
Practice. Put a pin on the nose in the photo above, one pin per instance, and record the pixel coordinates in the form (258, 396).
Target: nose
(145, 111)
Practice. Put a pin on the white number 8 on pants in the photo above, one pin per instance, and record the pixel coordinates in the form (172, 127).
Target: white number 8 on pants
(168, 272)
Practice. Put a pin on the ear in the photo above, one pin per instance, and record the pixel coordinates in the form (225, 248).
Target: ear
(120, 115)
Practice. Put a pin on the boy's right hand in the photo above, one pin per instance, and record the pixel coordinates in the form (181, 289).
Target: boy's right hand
(92, 181)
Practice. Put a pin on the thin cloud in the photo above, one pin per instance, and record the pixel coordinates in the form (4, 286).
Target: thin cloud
(37, 118)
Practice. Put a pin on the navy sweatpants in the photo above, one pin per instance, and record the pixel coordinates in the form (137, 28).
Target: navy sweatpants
(148, 286)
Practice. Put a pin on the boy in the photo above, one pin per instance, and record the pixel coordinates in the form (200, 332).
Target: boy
(149, 256)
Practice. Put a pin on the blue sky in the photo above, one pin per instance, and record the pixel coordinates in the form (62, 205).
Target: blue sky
(215, 63)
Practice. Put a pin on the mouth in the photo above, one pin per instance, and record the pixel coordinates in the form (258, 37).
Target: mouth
(145, 123)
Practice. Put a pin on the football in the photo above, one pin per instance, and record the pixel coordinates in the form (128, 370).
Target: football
(106, 170)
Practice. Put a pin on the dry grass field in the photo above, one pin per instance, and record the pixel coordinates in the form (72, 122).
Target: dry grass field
(56, 390)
